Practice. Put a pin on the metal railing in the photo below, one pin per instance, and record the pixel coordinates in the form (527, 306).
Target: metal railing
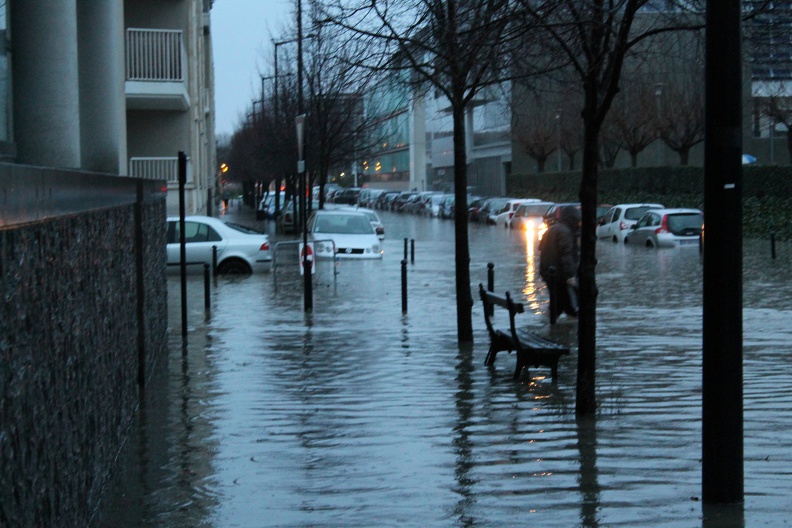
(153, 168)
(154, 55)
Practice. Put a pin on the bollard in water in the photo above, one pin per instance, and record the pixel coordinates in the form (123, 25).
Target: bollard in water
(214, 261)
(772, 246)
(404, 284)
(412, 250)
(207, 298)
(405, 248)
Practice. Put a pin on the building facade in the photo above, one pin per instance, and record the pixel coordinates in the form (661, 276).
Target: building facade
(112, 87)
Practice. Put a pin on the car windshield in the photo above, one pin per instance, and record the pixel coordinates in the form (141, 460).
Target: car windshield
(532, 210)
(343, 224)
(685, 222)
(634, 213)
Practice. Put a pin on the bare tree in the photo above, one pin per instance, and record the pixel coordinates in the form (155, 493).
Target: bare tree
(596, 37)
(633, 119)
(536, 130)
(458, 48)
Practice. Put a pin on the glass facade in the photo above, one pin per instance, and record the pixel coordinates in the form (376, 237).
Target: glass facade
(388, 158)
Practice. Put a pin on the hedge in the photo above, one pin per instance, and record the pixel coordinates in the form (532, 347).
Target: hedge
(767, 192)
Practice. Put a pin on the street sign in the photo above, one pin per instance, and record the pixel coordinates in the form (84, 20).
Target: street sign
(307, 254)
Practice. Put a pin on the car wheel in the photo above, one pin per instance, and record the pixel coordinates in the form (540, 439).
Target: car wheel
(626, 240)
(233, 267)
(615, 239)
(649, 243)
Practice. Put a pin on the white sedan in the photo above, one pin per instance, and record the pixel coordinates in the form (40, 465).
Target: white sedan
(240, 250)
(349, 232)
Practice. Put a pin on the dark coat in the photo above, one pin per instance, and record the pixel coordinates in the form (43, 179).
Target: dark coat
(558, 250)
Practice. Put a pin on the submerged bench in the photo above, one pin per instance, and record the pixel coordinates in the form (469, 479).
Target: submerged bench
(532, 350)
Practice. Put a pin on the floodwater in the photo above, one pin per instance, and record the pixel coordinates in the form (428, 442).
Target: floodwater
(358, 415)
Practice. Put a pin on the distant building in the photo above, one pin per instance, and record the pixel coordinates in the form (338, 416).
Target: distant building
(112, 87)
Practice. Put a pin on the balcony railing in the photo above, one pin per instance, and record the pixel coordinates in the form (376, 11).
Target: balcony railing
(158, 169)
(154, 55)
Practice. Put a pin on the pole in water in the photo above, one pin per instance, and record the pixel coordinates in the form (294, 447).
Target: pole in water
(491, 283)
(772, 246)
(405, 248)
(207, 297)
(214, 261)
(404, 284)
(412, 250)
(182, 157)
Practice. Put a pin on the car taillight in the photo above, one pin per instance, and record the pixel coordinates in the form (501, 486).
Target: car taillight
(623, 226)
(663, 226)
(264, 247)
(511, 215)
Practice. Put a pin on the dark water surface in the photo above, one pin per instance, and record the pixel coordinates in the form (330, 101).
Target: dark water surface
(358, 415)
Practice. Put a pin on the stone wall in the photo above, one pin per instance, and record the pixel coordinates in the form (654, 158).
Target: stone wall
(83, 322)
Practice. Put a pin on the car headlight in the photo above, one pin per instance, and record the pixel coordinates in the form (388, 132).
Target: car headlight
(324, 247)
(375, 248)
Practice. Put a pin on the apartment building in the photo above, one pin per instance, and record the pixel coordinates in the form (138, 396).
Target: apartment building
(118, 87)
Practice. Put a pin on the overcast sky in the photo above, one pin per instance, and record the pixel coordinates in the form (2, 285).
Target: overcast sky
(242, 32)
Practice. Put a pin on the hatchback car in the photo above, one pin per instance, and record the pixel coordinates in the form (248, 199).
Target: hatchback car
(667, 228)
(350, 233)
(619, 219)
(240, 250)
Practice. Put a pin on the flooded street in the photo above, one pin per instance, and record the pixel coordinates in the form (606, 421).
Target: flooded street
(358, 415)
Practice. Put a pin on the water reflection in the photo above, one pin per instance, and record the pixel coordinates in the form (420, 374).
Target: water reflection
(359, 415)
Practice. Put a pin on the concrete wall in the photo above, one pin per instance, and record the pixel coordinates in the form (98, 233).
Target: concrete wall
(82, 324)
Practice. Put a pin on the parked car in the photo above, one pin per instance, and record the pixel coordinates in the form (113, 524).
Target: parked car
(397, 204)
(433, 205)
(446, 208)
(619, 219)
(347, 196)
(504, 216)
(266, 207)
(529, 216)
(350, 231)
(384, 200)
(493, 209)
(372, 216)
(552, 215)
(240, 250)
(667, 228)
(474, 207)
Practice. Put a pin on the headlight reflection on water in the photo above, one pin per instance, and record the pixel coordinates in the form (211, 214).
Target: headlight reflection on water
(531, 291)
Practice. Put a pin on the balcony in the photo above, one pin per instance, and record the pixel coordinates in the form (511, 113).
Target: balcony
(158, 169)
(156, 69)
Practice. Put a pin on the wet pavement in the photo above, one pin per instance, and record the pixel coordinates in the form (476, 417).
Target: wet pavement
(358, 415)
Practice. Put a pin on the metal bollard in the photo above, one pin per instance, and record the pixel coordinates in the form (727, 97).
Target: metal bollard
(214, 261)
(412, 250)
(404, 284)
(207, 298)
(405, 248)
(772, 245)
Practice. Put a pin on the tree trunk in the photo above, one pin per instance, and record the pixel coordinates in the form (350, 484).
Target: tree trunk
(540, 164)
(586, 402)
(571, 158)
(462, 253)
(634, 159)
(788, 142)
(684, 155)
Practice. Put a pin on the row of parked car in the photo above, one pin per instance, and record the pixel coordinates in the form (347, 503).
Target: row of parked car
(646, 224)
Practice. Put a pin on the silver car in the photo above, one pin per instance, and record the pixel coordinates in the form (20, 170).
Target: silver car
(240, 250)
(659, 228)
